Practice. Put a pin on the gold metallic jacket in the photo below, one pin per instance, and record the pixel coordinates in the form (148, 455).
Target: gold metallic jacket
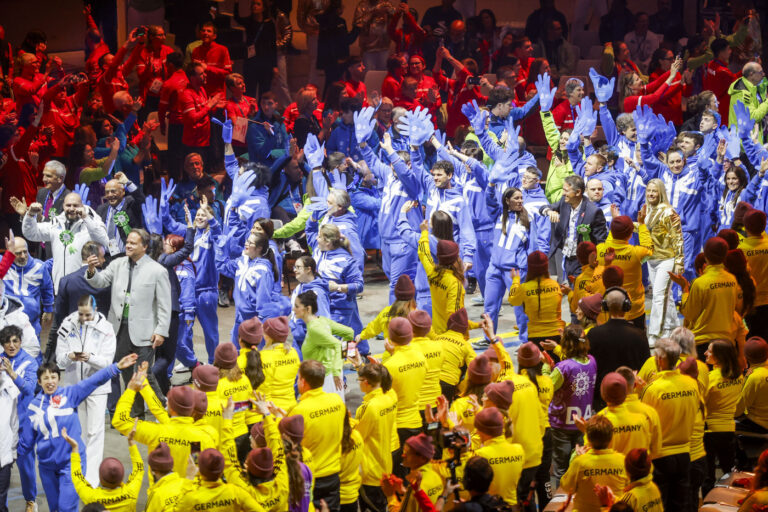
(666, 233)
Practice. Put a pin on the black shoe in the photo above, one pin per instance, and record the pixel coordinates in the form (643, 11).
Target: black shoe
(479, 345)
(471, 285)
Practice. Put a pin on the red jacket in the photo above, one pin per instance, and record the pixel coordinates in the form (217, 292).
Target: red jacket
(170, 96)
(652, 93)
(64, 116)
(390, 88)
(195, 117)
(564, 114)
(19, 179)
(458, 95)
(240, 109)
(219, 65)
(151, 69)
(27, 90)
(111, 81)
(718, 78)
(357, 90)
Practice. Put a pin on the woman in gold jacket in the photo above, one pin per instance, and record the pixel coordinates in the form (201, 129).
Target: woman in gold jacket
(667, 235)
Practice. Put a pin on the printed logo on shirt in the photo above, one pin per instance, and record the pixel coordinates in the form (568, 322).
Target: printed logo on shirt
(214, 504)
(715, 286)
(508, 459)
(541, 291)
(587, 473)
(387, 410)
(323, 412)
(410, 366)
(678, 394)
(626, 429)
(56, 401)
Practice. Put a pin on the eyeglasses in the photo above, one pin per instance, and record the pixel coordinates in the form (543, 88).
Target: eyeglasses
(298, 267)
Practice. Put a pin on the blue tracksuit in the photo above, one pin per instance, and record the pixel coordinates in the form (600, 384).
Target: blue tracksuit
(613, 182)
(634, 192)
(684, 192)
(397, 257)
(48, 415)
(298, 327)
(367, 203)
(25, 367)
(625, 146)
(408, 229)
(510, 250)
(724, 201)
(32, 285)
(497, 125)
(343, 139)
(185, 353)
(206, 280)
(449, 200)
(758, 186)
(347, 224)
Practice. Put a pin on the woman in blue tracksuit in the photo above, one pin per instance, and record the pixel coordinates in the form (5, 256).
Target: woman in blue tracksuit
(52, 410)
(207, 230)
(25, 367)
(305, 270)
(730, 184)
(338, 267)
(186, 273)
(255, 273)
(265, 226)
(342, 217)
(515, 238)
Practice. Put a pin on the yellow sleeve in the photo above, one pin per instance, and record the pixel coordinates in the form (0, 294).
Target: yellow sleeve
(425, 255)
(147, 432)
(469, 353)
(375, 326)
(246, 501)
(550, 130)
(570, 478)
(83, 489)
(452, 296)
(646, 243)
(228, 444)
(154, 403)
(516, 292)
(275, 443)
(137, 471)
(746, 397)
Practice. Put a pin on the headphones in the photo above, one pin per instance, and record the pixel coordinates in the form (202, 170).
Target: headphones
(625, 306)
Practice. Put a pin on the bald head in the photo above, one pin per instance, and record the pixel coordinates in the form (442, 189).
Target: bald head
(21, 251)
(114, 192)
(73, 204)
(753, 72)
(595, 190)
(615, 301)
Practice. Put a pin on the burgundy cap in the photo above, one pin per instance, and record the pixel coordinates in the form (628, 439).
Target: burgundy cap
(613, 388)
(421, 322)
(260, 463)
(500, 393)
(404, 289)
(447, 252)
(736, 262)
(689, 367)
(251, 331)
(257, 434)
(756, 350)
(400, 330)
(206, 377)
(538, 264)
(160, 459)
(182, 400)
(730, 236)
(528, 355)
(458, 321)
(111, 471)
(583, 251)
(741, 211)
(293, 427)
(225, 356)
(211, 464)
(699, 262)
(638, 463)
(622, 227)
(591, 305)
(715, 250)
(613, 276)
(277, 328)
(754, 222)
(490, 422)
(479, 371)
(201, 403)
(422, 445)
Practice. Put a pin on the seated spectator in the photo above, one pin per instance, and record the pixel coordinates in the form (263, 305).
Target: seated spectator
(542, 17)
(561, 54)
(353, 78)
(641, 41)
(267, 137)
(616, 23)
(523, 50)
(397, 68)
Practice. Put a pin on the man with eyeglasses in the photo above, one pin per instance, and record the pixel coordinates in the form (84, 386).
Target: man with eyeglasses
(752, 90)
(196, 108)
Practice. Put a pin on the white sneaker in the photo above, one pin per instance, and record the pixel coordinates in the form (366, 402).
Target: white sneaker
(477, 300)
(180, 368)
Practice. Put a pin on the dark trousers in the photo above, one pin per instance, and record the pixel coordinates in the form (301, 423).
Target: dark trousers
(258, 76)
(639, 322)
(403, 434)
(448, 390)
(176, 154)
(745, 446)
(721, 448)
(327, 489)
(543, 485)
(53, 338)
(372, 499)
(5, 483)
(349, 507)
(571, 266)
(671, 476)
(697, 476)
(165, 355)
(758, 322)
(124, 348)
(524, 490)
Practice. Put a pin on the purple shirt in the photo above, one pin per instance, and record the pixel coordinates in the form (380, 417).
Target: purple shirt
(303, 505)
(576, 393)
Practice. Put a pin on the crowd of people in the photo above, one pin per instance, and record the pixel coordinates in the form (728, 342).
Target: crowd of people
(622, 217)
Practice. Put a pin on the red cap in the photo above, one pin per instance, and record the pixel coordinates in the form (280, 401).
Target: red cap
(160, 459)
(400, 331)
(613, 388)
(458, 321)
(528, 355)
(206, 377)
(754, 222)
(211, 464)
(278, 329)
(730, 236)
(182, 400)
(538, 264)
(500, 393)
(225, 356)
(740, 211)
(422, 445)
(613, 276)
(756, 350)
(622, 227)
(421, 322)
(250, 331)
(591, 305)
(583, 251)
(637, 463)
(447, 252)
(479, 372)
(293, 427)
(201, 403)
(689, 367)
(404, 289)
(490, 422)
(111, 472)
(257, 434)
(260, 463)
(715, 250)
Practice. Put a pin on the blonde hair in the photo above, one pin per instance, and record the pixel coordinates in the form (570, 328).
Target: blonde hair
(304, 99)
(333, 234)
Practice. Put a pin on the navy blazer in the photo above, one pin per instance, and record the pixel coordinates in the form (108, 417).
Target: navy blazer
(73, 286)
(589, 213)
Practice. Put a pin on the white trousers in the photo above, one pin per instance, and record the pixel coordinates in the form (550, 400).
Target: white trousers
(663, 313)
(91, 412)
(330, 387)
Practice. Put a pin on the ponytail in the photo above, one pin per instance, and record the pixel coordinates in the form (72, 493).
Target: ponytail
(254, 369)
(296, 483)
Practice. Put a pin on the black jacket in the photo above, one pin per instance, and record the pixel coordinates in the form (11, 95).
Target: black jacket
(131, 206)
(589, 213)
(73, 286)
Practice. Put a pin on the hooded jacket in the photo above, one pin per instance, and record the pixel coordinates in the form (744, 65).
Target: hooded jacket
(96, 337)
(32, 285)
(752, 96)
(12, 313)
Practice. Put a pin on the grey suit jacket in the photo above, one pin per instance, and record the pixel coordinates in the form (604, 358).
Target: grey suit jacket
(150, 297)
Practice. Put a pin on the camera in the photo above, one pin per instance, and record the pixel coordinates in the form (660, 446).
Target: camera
(141, 31)
(473, 80)
(454, 440)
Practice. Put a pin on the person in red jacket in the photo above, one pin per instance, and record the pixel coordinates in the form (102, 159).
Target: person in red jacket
(354, 76)
(150, 61)
(409, 38)
(196, 108)
(18, 177)
(63, 112)
(416, 67)
(397, 68)
(564, 114)
(170, 106)
(29, 85)
(112, 79)
(239, 108)
(717, 77)
(634, 92)
(216, 59)
(460, 91)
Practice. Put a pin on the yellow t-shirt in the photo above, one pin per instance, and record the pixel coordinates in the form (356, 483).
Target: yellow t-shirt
(753, 399)
(676, 398)
(350, 477)
(542, 301)
(722, 397)
(239, 390)
(527, 427)
(280, 370)
(458, 352)
(603, 467)
(376, 424)
(323, 425)
(756, 250)
(708, 307)
(506, 459)
(630, 430)
(432, 350)
(643, 495)
(408, 368)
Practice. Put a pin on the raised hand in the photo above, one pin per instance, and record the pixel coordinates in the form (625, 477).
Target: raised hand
(603, 87)
(733, 148)
(19, 206)
(744, 120)
(151, 216)
(505, 167)
(417, 125)
(364, 124)
(477, 117)
(513, 132)
(166, 191)
(546, 93)
(644, 122)
(664, 135)
(314, 152)
(318, 206)
(588, 117)
(241, 188)
(226, 128)
(83, 190)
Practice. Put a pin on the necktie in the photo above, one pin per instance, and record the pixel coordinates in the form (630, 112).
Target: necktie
(48, 204)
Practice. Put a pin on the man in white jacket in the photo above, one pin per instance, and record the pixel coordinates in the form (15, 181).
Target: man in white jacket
(9, 427)
(12, 313)
(86, 344)
(67, 233)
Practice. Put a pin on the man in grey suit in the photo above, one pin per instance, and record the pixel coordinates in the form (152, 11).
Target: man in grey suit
(51, 196)
(140, 311)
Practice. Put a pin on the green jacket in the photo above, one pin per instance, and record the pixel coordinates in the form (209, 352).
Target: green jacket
(559, 168)
(322, 344)
(743, 90)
